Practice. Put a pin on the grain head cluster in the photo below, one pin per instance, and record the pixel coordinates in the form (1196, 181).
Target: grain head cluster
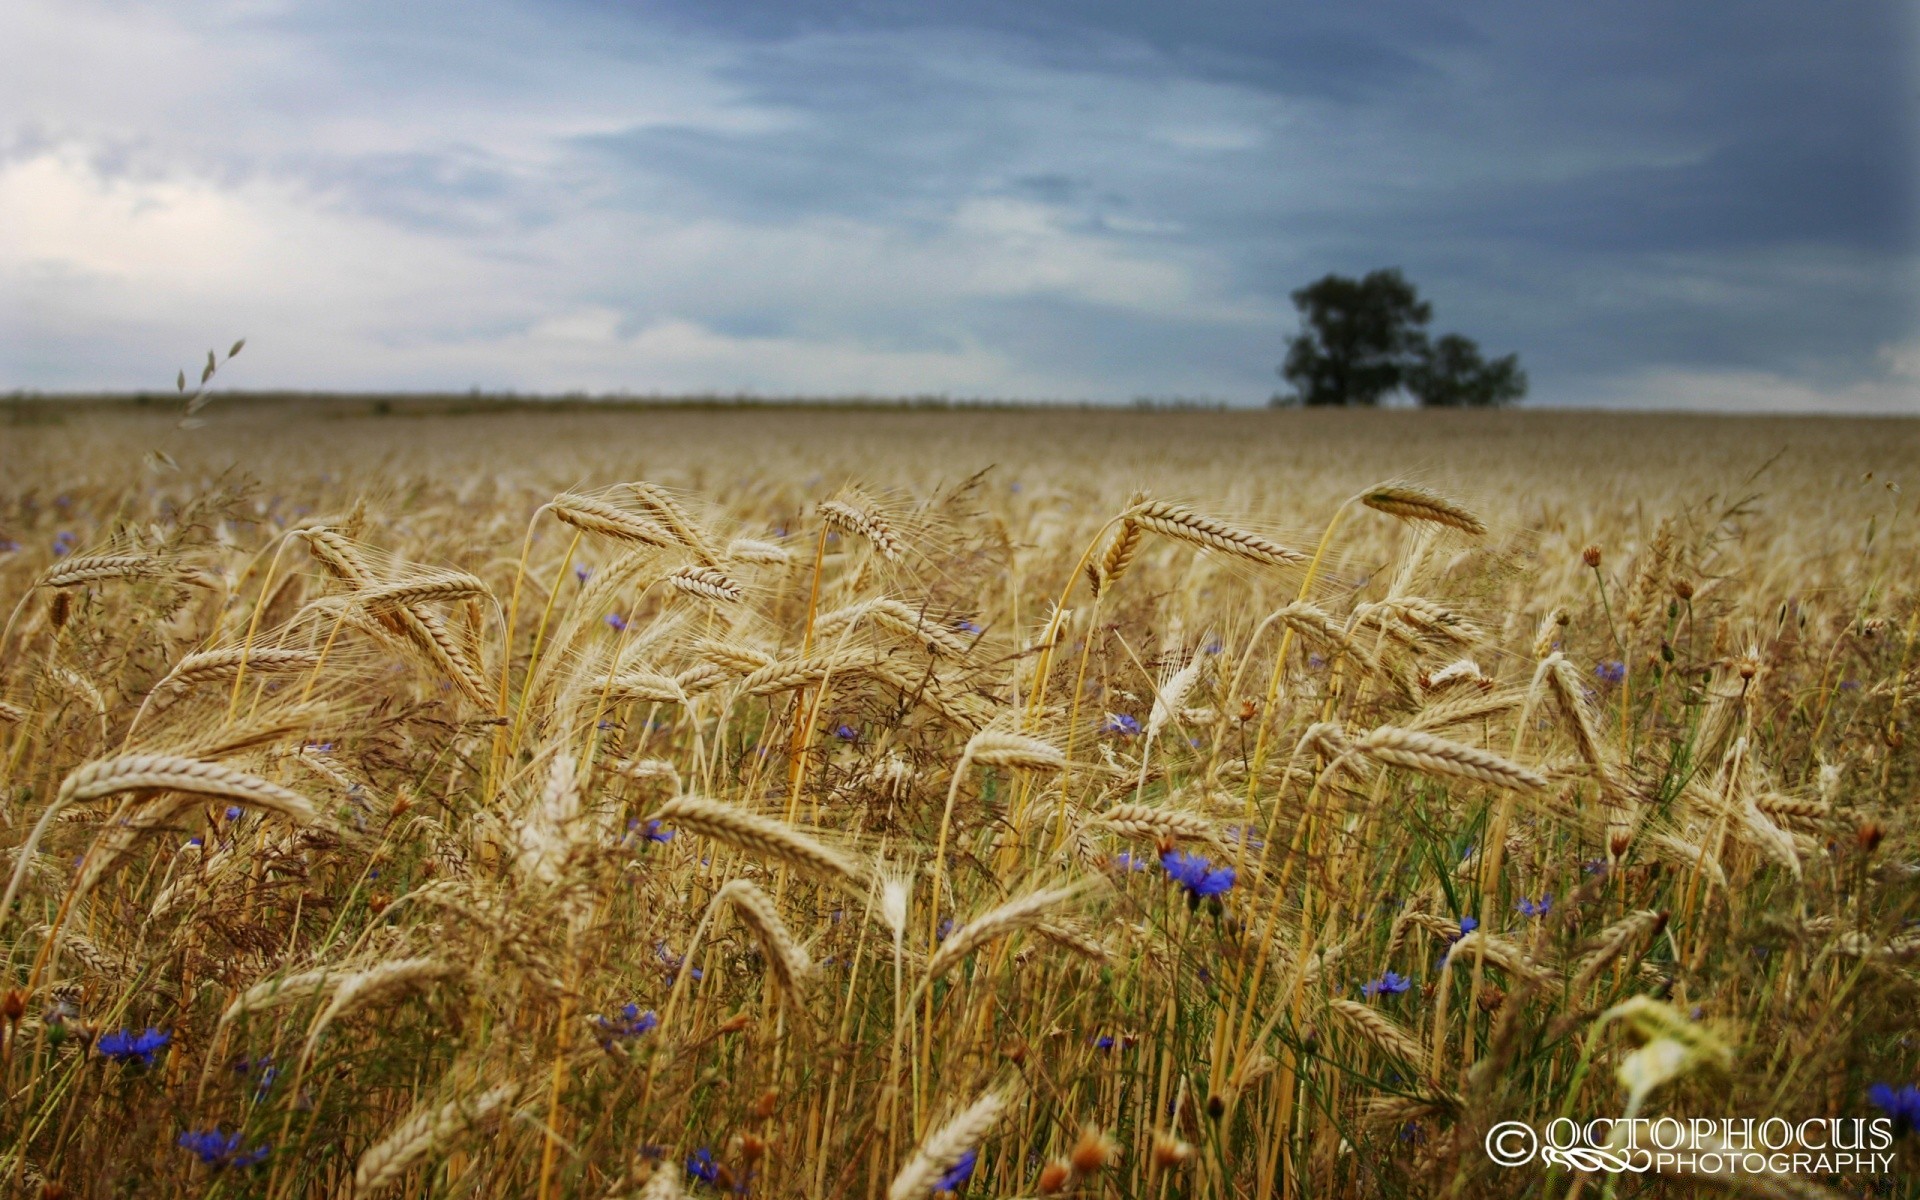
(406, 827)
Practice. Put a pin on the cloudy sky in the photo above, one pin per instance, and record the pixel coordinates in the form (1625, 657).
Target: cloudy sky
(1664, 204)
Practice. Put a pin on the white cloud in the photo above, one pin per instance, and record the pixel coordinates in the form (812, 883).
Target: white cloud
(473, 191)
(1894, 391)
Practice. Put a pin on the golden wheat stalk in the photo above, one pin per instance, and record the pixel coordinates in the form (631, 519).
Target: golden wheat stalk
(1181, 523)
(92, 568)
(1019, 913)
(426, 1131)
(647, 687)
(597, 516)
(740, 659)
(748, 550)
(276, 992)
(1615, 940)
(760, 835)
(945, 1146)
(1411, 502)
(440, 586)
(855, 513)
(386, 980)
(658, 501)
(786, 674)
(1118, 556)
(1148, 821)
(1378, 1028)
(1568, 691)
(999, 748)
(420, 625)
(785, 957)
(1432, 755)
(1501, 953)
(210, 665)
(707, 583)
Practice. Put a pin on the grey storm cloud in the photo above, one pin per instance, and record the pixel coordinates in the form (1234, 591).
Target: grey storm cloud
(1650, 203)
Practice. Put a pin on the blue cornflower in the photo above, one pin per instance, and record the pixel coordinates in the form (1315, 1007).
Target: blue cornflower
(1316, 661)
(1902, 1104)
(581, 571)
(1128, 861)
(9, 546)
(219, 1150)
(618, 622)
(1103, 1042)
(1121, 724)
(125, 1045)
(233, 812)
(702, 1167)
(1536, 908)
(1197, 874)
(1392, 983)
(1611, 670)
(957, 1175)
(847, 733)
(1467, 926)
(653, 831)
(966, 626)
(631, 1023)
(946, 927)
(1213, 646)
(63, 544)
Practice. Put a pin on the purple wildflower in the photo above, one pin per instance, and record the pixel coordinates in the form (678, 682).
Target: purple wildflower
(1121, 724)
(1611, 670)
(1197, 874)
(702, 1167)
(221, 1150)
(124, 1045)
(1536, 908)
(631, 1023)
(1390, 984)
(957, 1175)
(1902, 1104)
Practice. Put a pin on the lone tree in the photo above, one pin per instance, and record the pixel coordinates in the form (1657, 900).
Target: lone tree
(1451, 373)
(1362, 339)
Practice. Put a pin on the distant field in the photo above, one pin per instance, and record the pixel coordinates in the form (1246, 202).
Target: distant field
(428, 799)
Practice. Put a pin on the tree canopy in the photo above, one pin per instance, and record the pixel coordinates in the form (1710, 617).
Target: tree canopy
(1363, 339)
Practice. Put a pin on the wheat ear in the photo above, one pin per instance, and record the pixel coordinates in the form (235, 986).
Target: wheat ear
(760, 835)
(1183, 524)
(597, 516)
(855, 513)
(707, 583)
(91, 568)
(785, 957)
(425, 1131)
(945, 1146)
(1432, 755)
(1411, 502)
(1018, 913)
(661, 504)
(1379, 1029)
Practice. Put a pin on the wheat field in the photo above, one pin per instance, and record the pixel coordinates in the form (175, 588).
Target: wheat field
(424, 799)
